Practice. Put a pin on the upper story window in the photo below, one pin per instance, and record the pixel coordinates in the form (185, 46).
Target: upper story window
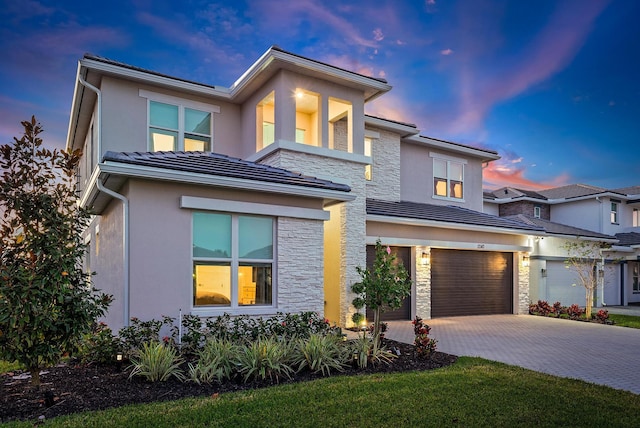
(368, 173)
(266, 120)
(636, 218)
(340, 125)
(448, 178)
(176, 124)
(307, 116)
(614, 213)
(310, 113)
(537, 211)
(177, 128)
(233, 260)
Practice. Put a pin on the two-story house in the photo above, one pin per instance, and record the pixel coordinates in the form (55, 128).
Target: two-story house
(264, 196)
(583, 212)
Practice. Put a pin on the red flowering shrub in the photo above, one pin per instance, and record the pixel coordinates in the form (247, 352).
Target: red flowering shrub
(602, 316)
(575, 311)
(425, 346)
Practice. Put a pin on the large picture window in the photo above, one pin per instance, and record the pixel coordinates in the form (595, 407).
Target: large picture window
(232, 260)
(448, 178)
(173, 127)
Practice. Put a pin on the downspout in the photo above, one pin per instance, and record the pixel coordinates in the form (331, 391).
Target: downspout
(125, 244)
(623, 265)
(600, 227)
(99, 94)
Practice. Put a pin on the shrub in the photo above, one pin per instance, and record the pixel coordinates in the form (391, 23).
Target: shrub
(424, 346)
(215, 362)
(247, 329)
(46, 302)
(602, 316)
(320, 353)
(558, 309)
(264, 358)
(366, 350)
(100, 346)
(575, 312)
(156, 362)
(139, 333)
(541, 308)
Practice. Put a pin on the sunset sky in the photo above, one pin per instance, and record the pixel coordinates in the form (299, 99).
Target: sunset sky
(552, 86)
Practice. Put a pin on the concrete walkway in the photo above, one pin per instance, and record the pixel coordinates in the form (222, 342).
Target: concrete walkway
(601, 354)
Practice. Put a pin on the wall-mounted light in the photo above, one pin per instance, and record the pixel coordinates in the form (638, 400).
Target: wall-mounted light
(525, 260)
(543, 273)
(425, 259)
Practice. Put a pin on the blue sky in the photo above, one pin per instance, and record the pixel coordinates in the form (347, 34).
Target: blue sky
(552, 86)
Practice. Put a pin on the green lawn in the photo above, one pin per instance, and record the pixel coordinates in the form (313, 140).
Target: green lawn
(473, 392)
(625, 320)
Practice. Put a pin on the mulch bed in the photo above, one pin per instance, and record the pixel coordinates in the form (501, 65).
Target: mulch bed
(70, 388)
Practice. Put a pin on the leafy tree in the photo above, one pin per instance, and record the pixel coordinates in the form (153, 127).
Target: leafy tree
(383, 287)
(46, 300)
(583, 259)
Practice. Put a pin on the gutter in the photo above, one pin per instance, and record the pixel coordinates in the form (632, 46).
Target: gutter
(125, 245)
(449, 225)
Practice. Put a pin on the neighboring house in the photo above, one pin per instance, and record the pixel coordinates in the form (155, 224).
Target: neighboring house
(578, 211)
(264, 196)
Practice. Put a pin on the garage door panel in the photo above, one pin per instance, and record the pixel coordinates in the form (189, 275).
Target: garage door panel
(471, 283)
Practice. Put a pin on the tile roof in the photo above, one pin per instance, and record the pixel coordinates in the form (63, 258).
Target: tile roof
(444, 213)
(558, 228)
(223, 166)
(628, 238)
(571, 191)
(631, 190)
(513, 193)
(104, 60)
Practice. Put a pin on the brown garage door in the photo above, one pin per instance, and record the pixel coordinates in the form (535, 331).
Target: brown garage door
(403, 312)
(471, 283)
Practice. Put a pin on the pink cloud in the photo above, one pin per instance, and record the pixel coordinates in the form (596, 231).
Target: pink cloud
(446, 52)
(498, 175)
(550, 52)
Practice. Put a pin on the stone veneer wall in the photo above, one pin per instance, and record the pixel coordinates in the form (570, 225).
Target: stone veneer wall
(300, 265)
(526, 208)
(353, 215)
(523, 286)
(385, 172)
(423, 285)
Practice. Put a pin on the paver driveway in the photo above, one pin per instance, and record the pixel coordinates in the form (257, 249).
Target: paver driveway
(602, 354)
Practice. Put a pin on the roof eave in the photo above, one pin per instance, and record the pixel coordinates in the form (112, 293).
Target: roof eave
(450, 225)
(155, 79)
(484, 155)
(374, 87)
(117, 169)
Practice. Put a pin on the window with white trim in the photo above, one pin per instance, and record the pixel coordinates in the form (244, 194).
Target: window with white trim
(614, 213)
(636, 218)
(233, 259)
(448, 178)
(537, 211)
(635, 276)
(178, 128)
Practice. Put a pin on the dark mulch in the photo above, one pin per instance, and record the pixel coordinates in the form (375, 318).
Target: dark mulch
(70, 389)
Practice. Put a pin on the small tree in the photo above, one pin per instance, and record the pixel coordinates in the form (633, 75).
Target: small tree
(383, 287)
(46, 301)
(583, 259)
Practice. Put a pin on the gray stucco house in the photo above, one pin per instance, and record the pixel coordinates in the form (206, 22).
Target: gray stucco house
(263, 196)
